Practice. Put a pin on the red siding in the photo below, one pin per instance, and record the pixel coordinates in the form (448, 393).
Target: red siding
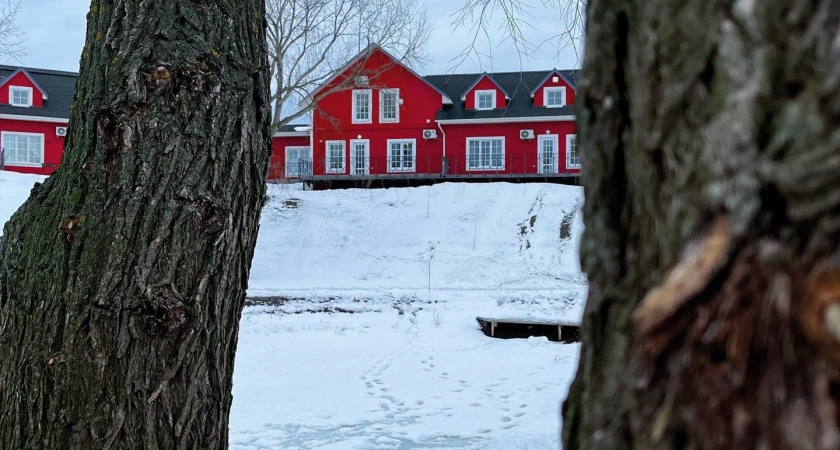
(277, 170)
(570, 93)
(53, 145)
(23, 81)
(333, 118)
(520, 155)
(486, 84)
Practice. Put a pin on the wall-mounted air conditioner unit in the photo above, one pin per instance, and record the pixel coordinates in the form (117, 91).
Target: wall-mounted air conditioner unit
(526, 134)
(61, 131)
(430, 134)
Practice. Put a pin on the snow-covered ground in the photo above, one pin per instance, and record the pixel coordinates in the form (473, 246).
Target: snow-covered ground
(354, 352)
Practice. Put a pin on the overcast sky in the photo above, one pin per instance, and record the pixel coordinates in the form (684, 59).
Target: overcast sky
(56, 32)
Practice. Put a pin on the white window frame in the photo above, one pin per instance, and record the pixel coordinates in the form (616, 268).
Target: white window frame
(561, 89)
(546, 137)
(492, 93)
(486, 168)
(5, 134)
(353, 161)
(382, 118)
(328, 157)
(29, 92)
(354, 112)
(569, 164)
(413, 156)
(298, 148)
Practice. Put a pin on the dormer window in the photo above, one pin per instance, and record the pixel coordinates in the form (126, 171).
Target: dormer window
(485, 100)
(20, 96)
(554, 97)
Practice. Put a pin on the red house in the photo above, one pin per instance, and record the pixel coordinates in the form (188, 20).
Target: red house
(34, 111)
(378, 119)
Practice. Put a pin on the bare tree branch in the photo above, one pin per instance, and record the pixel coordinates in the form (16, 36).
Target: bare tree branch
(11, 36)
(310, 40)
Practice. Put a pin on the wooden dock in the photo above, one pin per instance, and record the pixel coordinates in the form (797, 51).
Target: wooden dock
(555, 330)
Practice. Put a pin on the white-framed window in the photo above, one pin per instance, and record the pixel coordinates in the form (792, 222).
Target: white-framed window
(486, 153)
(335, 156)
(389, 106)
(22, 149)
(554, 97)
(360, 156)
(572, 156)
(20, 96)
(362, 106)
(485, 99)
(298, 161)
(402, 155)
(548, 153)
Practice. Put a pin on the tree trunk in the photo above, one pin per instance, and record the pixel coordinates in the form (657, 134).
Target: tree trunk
(712, 179)
(123, 277)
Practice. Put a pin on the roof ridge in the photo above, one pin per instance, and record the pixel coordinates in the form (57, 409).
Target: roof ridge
(39, 71)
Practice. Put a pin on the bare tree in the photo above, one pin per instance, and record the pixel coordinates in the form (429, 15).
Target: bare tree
(11, 36)
(310, 40)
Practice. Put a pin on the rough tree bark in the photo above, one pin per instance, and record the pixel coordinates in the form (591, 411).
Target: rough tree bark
(122, 278)
(711, 148)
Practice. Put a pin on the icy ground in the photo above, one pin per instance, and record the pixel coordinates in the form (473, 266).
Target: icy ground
(352, 351)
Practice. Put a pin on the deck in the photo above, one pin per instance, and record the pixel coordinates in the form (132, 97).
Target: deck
(555, 330)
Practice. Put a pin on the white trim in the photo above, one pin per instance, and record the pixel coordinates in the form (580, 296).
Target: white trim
(413, 155)
(353, 143)
(286, 159)
(291, 134)
(488, 168)
(561, 89)
(34, 118)
(569, 165)
(484, 91)
(509, 120)
(3, 135)
(26, 89)
(353, 117)
(343, 168)
(556, 162)
(382, 118)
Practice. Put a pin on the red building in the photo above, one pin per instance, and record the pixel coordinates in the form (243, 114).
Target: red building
(377, 119)
(34, 111)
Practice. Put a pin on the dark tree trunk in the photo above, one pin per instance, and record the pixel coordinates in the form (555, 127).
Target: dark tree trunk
(711, 150)
(123, 276)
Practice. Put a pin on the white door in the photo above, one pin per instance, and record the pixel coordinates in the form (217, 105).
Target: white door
(360, 157)
(298, 161)
(547, 153)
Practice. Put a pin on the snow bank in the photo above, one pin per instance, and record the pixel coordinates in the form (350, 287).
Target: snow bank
(14, 190)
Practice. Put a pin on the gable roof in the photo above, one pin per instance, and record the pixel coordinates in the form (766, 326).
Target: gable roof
(518, 84)
(60, 86)
(571, 81)
(447, 100)
(23, 71)
(477, 80)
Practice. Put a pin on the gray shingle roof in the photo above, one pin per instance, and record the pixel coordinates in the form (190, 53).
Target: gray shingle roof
(517, 84)
(58, 85)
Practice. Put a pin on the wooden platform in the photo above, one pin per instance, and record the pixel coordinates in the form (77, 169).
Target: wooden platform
(566, 331)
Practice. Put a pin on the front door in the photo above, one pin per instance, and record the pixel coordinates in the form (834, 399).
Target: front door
(547, 153)
(298, 162)
(360, 157)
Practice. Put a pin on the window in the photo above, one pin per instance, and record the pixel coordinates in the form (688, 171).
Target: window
(20, 96)
(554, 97)
(335, 156)
(485, 99)
(298, 161)
(361, 106)
(547, 153)
(572, 157)
(486, 153)
(22, 149)
(389, 106)
(401, 156)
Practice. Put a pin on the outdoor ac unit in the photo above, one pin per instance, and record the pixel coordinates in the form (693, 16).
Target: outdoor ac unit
(362, 80)
(430, 134)
(526, 134)
(61, 131)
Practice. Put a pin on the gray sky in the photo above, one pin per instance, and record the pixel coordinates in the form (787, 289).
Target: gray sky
(56, 32)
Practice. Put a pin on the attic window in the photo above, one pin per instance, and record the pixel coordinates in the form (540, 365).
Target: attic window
(485, 100)
(554, 97)
(20, 96)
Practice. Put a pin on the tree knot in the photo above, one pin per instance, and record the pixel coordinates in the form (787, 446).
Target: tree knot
(70, 226)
